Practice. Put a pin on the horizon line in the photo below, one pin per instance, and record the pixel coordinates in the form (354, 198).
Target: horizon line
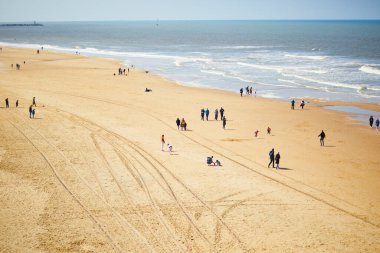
(157, 19)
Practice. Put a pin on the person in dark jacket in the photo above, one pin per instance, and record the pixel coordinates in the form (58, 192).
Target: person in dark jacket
(178, 122)
(322, 137)
(271, 158)
(371, 121)
(277, 159)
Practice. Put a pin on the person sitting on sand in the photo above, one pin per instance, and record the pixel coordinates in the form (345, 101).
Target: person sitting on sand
(322, 136)
(218, 163)
(178, 122)
(210, 162)
(147, 90)
(170, 147)
(269, 130)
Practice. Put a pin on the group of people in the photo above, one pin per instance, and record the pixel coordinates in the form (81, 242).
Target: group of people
(181, 123)
(206, 112)
(248, 91)
(377, 122)
(210, 161)
(7, 103)
(123, 71)
(302, 104)
(170, 147)
(274, 158)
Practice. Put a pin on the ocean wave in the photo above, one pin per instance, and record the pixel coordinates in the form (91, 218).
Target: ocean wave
(370, 69)
(307, 57)
(264, 67)
(240, 47)
(333, 84)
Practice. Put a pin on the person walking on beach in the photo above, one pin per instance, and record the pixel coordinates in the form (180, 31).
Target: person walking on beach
(221, 112)
(203, 114)
(277, 159)
(6, 103)
(30, 111)
(162, 142)
(178, 122)
(271, 158)
(207, 113)
(224, 122)
(293, 103)
(302, 104)
(322, 137)
(16, 103)
(34, 101)
(377, 123)
(183, 124)
(216, 114)
(371, 121)
(241, 92)
(250, 90)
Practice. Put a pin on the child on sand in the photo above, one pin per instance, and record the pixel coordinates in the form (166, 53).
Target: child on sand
(170, 147)
(33, 113)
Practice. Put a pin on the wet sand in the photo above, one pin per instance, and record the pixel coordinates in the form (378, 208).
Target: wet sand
(88, 174)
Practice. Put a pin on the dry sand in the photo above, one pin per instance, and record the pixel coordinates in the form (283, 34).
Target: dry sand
(88, 174)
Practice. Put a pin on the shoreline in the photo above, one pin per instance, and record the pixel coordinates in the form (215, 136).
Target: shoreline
(100, 55)
(94, 154)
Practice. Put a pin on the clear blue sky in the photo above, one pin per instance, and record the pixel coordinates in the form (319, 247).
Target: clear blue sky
(73, 10)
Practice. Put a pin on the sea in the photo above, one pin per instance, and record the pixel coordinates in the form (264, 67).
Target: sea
(329, 60)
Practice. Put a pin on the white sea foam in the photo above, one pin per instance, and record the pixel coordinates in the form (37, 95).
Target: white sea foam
(264, 67)
(334, 84)
(307, 57)
(370, 69)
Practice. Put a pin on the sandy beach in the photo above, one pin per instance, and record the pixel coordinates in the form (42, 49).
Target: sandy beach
(88, 174)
